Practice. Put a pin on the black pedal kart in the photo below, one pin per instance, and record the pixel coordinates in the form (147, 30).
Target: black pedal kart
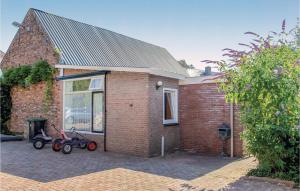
(41, 139)
(66, 144)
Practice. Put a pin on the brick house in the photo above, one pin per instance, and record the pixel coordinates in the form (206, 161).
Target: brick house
(121, 92)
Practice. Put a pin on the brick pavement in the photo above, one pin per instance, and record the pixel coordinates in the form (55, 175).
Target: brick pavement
(23, 168)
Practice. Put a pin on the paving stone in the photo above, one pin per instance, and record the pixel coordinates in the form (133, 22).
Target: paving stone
(24, 168)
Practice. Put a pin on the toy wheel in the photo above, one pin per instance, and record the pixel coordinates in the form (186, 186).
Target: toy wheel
(38, 144)
(67, 148)
(56, 145)
(83, 145)
(92, 145)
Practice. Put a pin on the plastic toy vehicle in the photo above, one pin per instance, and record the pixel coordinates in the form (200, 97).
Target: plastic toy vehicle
(66, 144)
(40, 140)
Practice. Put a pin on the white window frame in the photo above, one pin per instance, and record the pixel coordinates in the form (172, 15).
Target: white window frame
(96, 78)
(175, 100)
(87, 91)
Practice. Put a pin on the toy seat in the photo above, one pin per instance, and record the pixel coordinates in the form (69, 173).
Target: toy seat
(65, 136)
(45, 137)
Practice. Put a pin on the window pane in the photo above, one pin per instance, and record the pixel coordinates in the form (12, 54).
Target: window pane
(98, 112)
(78, 111)
(68, 86)
(81, 85)
(96, 84)
(169, 109)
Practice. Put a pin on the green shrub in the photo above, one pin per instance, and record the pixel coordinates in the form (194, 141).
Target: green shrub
(40, 71)
(16, 76)
(265, 83)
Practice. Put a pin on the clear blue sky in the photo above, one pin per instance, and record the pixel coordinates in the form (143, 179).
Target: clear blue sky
(193, 30)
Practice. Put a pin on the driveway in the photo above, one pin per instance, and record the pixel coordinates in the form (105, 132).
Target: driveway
(24, 168)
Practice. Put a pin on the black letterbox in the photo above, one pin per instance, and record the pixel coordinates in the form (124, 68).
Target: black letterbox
(224, 131)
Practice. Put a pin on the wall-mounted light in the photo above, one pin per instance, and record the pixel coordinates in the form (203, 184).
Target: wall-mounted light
(19, 25)
(159, 84)
(16, 24)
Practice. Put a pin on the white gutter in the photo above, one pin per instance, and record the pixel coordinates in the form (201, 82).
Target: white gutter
(153, 71)
(232, 129)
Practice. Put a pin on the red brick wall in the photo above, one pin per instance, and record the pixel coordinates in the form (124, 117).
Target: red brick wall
(29, 46)
(202, 110)
(28, 103)
(157, 129)
(26, 48)
(134, 114)
(127, 113)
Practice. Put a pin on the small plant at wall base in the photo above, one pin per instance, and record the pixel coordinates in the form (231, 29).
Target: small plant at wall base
(24, 76)
(265, 83)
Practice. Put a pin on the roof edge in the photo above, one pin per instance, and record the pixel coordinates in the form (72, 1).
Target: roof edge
(125, 69)
(200, 80)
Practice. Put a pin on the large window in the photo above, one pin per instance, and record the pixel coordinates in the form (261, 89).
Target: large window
(83, 104)
(170, 106)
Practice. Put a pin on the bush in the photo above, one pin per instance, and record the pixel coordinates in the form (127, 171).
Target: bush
(265, 82)
(277, 150)
(40, 71)
(269, 99)
(16, 76)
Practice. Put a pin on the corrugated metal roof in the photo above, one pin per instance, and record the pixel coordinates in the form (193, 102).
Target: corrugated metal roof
(86, 45)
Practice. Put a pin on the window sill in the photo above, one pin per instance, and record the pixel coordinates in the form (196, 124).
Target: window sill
(170, 124)
(85, 132)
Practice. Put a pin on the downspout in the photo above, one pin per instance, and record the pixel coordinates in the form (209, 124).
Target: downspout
(104, 129)
(232, 129)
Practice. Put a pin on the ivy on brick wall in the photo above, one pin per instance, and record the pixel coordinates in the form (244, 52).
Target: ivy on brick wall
(24, 76)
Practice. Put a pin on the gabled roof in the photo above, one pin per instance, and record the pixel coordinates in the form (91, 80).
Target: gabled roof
(86, 45)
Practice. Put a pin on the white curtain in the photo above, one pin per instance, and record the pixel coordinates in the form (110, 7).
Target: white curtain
(78, 111)
(169, 106)
(98, 112)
